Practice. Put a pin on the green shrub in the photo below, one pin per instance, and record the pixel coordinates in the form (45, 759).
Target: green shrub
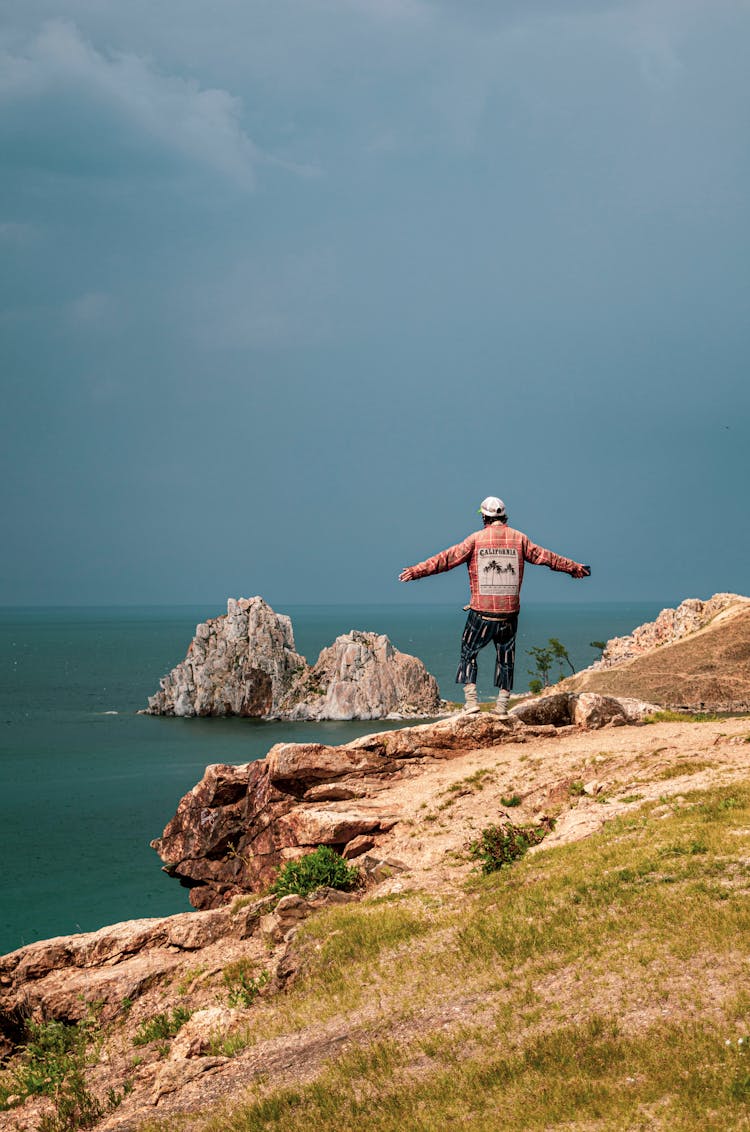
(243, 986)
(321, 868)
(53, 1049)
(75, 1106)
(500, 845)
(161, 1026)
(53, 1064)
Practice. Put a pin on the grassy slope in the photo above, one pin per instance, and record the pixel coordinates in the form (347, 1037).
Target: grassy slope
(598, 985)
(710, 667)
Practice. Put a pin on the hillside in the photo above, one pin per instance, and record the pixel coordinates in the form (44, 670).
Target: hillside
(706, 669)
(592, 984)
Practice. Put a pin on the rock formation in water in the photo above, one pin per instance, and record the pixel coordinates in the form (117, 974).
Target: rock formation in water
(696, 656)
(242, 663)
(245, 663)
(362, 676)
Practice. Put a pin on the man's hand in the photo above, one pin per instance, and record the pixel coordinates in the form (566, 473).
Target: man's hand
(406, 575)
(581, 571)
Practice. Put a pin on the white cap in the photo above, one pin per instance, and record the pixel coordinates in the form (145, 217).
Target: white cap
(492, 508)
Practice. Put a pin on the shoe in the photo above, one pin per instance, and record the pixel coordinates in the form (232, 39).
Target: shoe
(501, 707)
(470, 694)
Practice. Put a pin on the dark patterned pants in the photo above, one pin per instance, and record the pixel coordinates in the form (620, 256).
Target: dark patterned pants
(478, 632)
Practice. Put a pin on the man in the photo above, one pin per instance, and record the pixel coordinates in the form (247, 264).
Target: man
(495, 558)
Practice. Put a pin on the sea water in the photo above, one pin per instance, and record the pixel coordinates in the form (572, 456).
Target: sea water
(86, 782)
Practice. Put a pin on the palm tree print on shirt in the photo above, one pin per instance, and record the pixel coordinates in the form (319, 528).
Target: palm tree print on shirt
(494, 567)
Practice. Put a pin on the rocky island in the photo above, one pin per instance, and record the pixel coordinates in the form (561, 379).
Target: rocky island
(244, 663)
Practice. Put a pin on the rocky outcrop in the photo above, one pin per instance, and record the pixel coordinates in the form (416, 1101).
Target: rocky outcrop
(362, 676)
(585, 710)
(670, 626)
(221, 974)
(111, 969)
(694, 657)
(232, 831)
(239, 823)
(244, 663)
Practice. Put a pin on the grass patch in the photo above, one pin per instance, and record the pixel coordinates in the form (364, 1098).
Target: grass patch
(536, 996)
(162, 1026)
(53, 1064)
(687, 766)
(592, 899)
(350, 935)
(588, 1074)
(189, 976)
(242, 985)
(475, 781)
(241, 902)
(682, 717)
(344, 952)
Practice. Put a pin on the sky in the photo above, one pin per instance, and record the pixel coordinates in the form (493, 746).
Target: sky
(288, 287)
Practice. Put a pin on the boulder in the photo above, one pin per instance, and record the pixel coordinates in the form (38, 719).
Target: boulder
(586, 710)
(635, 710)
(591, 711)
(310, 826)
(62, 978)
(357, 846)
(556, 710)
(296, 767)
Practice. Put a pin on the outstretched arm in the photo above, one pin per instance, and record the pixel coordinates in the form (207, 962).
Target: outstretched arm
(541, 557)
(439, 563)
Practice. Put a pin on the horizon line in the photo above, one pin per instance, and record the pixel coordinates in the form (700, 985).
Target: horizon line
(328, 604)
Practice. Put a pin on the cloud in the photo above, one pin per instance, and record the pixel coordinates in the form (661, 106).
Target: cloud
(103, 101)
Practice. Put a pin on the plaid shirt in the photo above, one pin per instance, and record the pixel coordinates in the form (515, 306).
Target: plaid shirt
(495, 558)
